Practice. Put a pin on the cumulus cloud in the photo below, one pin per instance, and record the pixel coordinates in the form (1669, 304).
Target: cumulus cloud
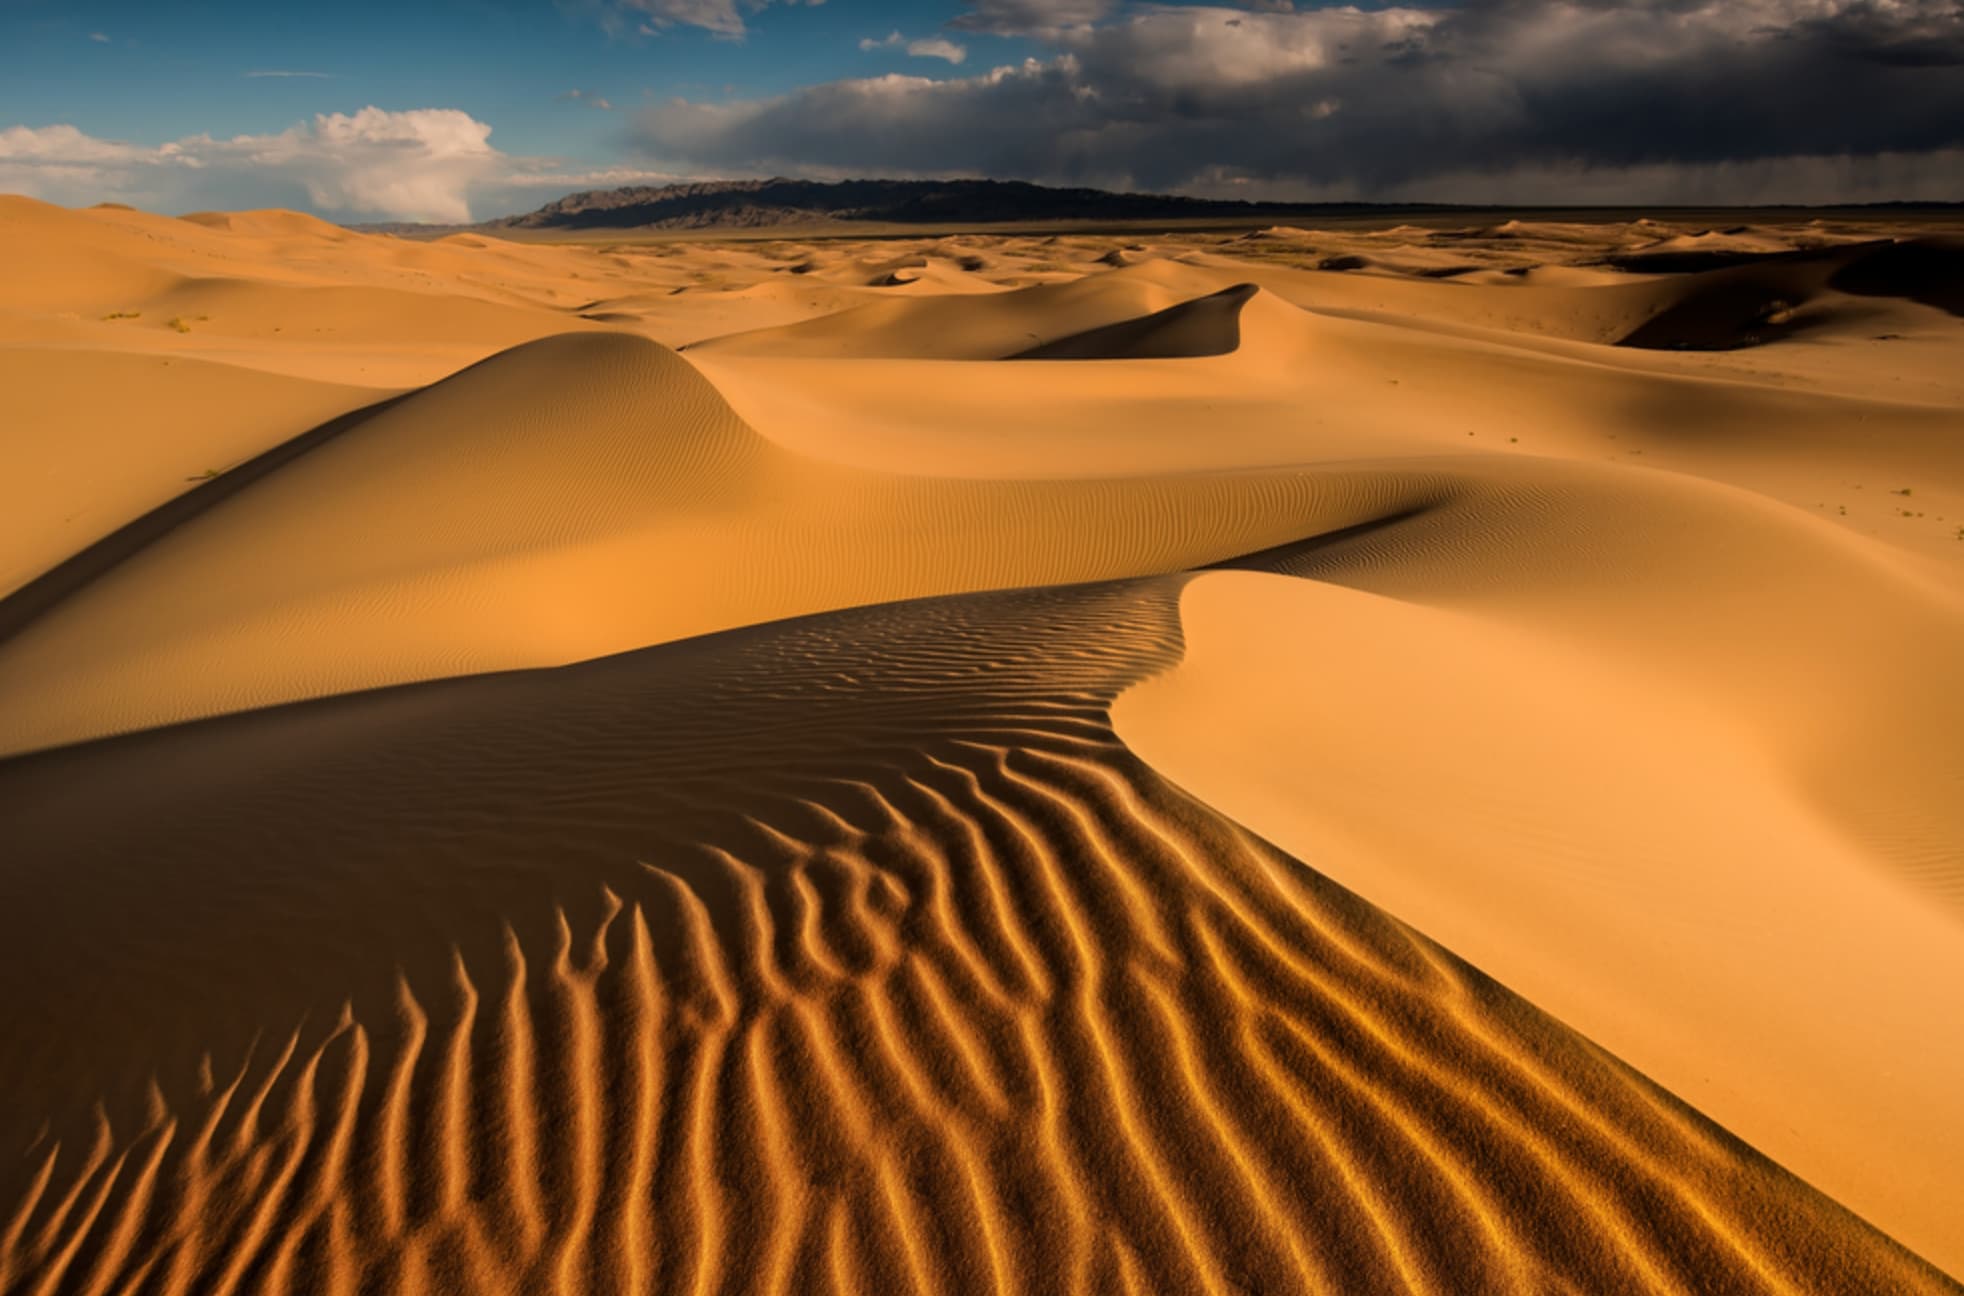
(926, 47)
(417, 165)
(1632, 100)
(939, 47)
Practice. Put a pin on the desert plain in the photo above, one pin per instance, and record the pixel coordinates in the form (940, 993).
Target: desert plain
(1383, 758)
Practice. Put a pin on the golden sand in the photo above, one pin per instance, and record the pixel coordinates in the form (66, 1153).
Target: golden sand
(1350, 761)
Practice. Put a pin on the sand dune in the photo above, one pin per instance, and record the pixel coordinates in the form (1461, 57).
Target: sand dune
(852, 954)
(939, 328)
(1641, 860)
(80, 474)
(1205, 326)
(591, 494)
(1361, 759)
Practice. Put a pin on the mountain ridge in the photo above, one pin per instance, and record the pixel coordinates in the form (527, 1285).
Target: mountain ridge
(757, 204)
(712, 205)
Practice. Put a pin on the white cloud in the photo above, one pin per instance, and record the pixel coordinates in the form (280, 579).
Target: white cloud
(422, 164)
(99, 38)
(721, 17)
(939, 47)
(1030, 17)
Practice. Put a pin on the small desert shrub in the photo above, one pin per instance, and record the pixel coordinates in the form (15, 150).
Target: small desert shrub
(179, 323)
(116, 315)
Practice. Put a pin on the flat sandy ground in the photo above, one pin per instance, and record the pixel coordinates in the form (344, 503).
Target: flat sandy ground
(1364, 760)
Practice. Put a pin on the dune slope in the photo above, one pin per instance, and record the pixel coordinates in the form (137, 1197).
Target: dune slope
(577, 496)
(846, 954)
(1689, 768)
(1205, 326)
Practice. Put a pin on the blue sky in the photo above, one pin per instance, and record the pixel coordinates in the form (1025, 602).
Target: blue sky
(457, 109)
(175, 69)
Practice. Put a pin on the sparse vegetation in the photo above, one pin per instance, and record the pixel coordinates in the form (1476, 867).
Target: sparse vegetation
(179, 323)
(116, 315)
(208, 474)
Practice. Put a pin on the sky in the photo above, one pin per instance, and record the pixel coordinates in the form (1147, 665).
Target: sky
(452, 110)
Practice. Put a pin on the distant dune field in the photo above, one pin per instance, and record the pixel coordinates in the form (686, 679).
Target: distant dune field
(1419, 759)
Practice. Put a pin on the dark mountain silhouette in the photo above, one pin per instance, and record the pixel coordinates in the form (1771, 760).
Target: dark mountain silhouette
(762, 204)
(725, 204)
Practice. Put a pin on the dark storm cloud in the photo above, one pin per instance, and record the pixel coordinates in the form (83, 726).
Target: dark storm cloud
(1375, 102)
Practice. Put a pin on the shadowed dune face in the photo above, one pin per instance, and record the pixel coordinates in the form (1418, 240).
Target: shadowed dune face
(1726, 301)
(1206, 326)
(850, 954)
(579, 821)
(1928, 270)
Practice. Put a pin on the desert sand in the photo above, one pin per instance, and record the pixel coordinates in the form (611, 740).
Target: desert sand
(1346, 760)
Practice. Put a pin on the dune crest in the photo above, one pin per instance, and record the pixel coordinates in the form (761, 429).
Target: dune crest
(1205, 326)
(567, 472)
(1619, 853)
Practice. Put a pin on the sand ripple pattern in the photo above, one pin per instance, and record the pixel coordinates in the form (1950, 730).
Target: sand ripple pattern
(844, 955)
